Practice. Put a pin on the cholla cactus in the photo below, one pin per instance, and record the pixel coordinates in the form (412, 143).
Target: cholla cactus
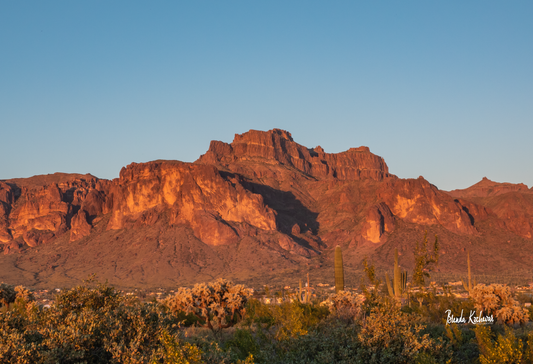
(346, 304)
(7, 294)
(496, 299)
(346, 299)
(215, 303)
(24, 294)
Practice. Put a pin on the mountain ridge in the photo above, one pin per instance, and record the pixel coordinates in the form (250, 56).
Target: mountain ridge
(262, 199)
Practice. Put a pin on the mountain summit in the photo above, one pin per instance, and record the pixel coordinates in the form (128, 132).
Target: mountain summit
(258, 208)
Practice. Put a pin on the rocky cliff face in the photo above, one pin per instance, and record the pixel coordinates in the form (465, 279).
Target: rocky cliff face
(7, 198)
(259, 204)
(218, 210)
(277, 146)
(36, 210)
(511, 203)
(419, 202)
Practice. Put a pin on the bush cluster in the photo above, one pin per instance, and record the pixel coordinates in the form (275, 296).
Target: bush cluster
(95, 323)
(497, 299)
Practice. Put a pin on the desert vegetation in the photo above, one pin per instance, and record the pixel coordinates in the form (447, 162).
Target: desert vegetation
(222, 322)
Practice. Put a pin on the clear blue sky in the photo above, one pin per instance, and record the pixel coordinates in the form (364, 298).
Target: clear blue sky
(442, 89)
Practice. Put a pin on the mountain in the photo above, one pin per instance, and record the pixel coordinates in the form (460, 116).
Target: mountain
(488, 188)
(511, 203)
(262, 209)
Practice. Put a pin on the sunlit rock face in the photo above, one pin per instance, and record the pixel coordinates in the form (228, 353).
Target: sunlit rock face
(7, 197)
(194, 194)
(277, 146)
(511, 203)
(419, 202)
(379, 220)
(41, 208)
(79, 226)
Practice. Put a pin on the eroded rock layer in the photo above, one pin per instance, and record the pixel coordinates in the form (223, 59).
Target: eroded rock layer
(192, 194)
(262, 198)
(277, 146)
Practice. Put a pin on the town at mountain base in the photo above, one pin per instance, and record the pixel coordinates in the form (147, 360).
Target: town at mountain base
(260, 208)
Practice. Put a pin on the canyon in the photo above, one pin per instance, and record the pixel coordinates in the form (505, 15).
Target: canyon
(260, 209)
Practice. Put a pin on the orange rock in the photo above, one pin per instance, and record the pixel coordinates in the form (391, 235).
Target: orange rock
(94, 203)
(277, 146)
(295, 229)
(212, 230)
(197, 195)
(417, 201)
(262, 197)
(6, 200)
(379, 221)
(39, 208)
(36, 237)
(79, 227)
(7, 194)
(486, 188)
(511, 203)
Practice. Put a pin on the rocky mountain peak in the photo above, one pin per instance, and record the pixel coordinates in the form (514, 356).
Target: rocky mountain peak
(278, 146)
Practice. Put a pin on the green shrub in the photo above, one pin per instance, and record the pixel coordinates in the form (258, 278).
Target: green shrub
(85, 324)
(244, 344)
(505, 349)
(258, 313)
(94, 323)
(176, 352)
(389, 336)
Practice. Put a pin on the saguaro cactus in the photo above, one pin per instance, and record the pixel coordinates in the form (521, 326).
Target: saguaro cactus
(304, 295)
(399, 285)
(308, 298)
(469, 286)
(339, 270)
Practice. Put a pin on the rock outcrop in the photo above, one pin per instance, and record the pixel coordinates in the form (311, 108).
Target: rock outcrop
(277, 146)
(194, 194)
(419, 202)
(7, 198)
(511, 203)
(379, 220)
(79, 226)
(41, 208)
